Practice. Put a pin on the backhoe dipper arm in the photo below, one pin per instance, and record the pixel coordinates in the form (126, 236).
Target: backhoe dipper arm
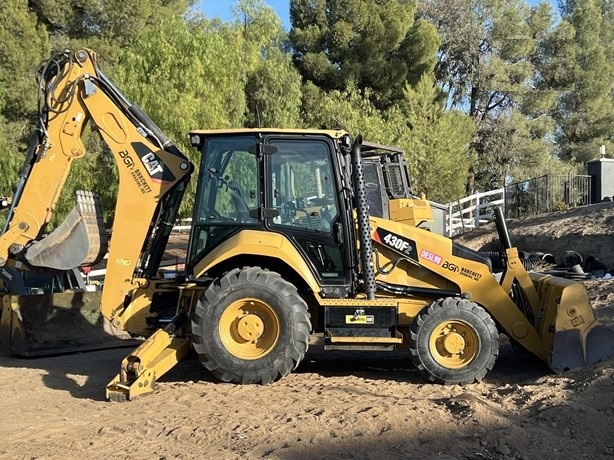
(153, 174)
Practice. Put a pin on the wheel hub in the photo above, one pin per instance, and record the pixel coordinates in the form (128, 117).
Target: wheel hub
(250, 327)
(453, 343)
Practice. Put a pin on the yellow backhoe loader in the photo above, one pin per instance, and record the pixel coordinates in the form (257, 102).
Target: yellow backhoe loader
(294, 234)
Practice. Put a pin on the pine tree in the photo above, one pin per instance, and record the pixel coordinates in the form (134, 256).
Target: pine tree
(584, 111)
(362, 43)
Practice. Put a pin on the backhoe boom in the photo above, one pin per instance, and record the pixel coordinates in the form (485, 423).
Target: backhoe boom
(152, 177)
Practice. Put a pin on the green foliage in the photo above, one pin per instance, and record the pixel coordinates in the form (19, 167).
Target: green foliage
(273, 86)
(11, 162)
(350, 110)
(488, 66)
(23, 44)
(517, 92)
(192, 73)
(438, 141)
(584, 111)
(372, 44)
(183, 74)
(273, 92)
(117, 20)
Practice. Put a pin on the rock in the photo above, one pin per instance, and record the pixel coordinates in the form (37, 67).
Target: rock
(503, 449)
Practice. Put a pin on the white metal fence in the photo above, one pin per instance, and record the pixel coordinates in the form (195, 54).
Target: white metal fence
(467, 213)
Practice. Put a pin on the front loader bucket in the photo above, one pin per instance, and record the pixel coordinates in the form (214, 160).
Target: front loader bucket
(80, 240)
(47, 324)
(572, 335)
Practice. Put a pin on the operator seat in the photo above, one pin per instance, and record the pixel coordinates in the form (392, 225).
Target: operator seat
(236, 195)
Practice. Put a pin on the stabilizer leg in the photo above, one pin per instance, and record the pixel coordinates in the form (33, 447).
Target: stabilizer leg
(151, 360)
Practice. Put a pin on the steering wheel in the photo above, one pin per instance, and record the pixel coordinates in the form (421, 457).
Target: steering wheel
(310, 218)
(212, 214)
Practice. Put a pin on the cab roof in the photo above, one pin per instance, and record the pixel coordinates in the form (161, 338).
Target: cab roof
(334, 133)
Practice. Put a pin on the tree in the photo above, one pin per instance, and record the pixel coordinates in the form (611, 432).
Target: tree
(273, 92)
(486, 66)
(583, 77)
(351, 110)
(28, 31)
(116, 21)
(437, 143)
(362, 43)
(192, 73)
(273, 86)
(23, 44)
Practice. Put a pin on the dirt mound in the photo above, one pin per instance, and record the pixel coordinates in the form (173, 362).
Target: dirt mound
(587, 230)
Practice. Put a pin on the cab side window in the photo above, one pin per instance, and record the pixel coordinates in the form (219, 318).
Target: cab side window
(303, 187)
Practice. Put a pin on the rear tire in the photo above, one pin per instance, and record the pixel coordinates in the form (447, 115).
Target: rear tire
(250, 326)
(454, 341)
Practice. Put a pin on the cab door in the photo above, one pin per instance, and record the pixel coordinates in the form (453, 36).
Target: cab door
(303, 188)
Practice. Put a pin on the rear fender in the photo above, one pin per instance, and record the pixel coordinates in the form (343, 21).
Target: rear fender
(257, 243)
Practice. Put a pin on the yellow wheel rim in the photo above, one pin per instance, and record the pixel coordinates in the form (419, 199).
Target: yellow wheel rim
(454, 344)
(249, 328)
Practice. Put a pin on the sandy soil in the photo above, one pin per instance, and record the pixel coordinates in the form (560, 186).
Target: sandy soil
(335, 406)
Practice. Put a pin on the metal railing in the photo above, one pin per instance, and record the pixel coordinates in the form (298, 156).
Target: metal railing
(547, 194)
(467, 213)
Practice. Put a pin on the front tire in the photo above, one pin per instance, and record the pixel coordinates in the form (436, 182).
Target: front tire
(454, 341)
(250, 326)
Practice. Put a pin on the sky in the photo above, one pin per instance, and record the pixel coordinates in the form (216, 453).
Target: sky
(223, 9)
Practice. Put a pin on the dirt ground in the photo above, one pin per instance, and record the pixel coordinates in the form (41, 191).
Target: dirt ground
(335, 405)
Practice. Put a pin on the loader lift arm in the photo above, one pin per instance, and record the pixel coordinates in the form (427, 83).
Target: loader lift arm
(153, 175)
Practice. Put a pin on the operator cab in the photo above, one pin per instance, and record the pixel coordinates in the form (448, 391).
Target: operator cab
(281, 181)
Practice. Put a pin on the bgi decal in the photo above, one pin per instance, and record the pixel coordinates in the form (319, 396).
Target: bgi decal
(450, 266)
(127, 159)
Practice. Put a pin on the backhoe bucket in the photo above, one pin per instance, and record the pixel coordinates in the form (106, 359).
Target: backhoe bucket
(572, 335)
(79, 241)
(48, 324)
